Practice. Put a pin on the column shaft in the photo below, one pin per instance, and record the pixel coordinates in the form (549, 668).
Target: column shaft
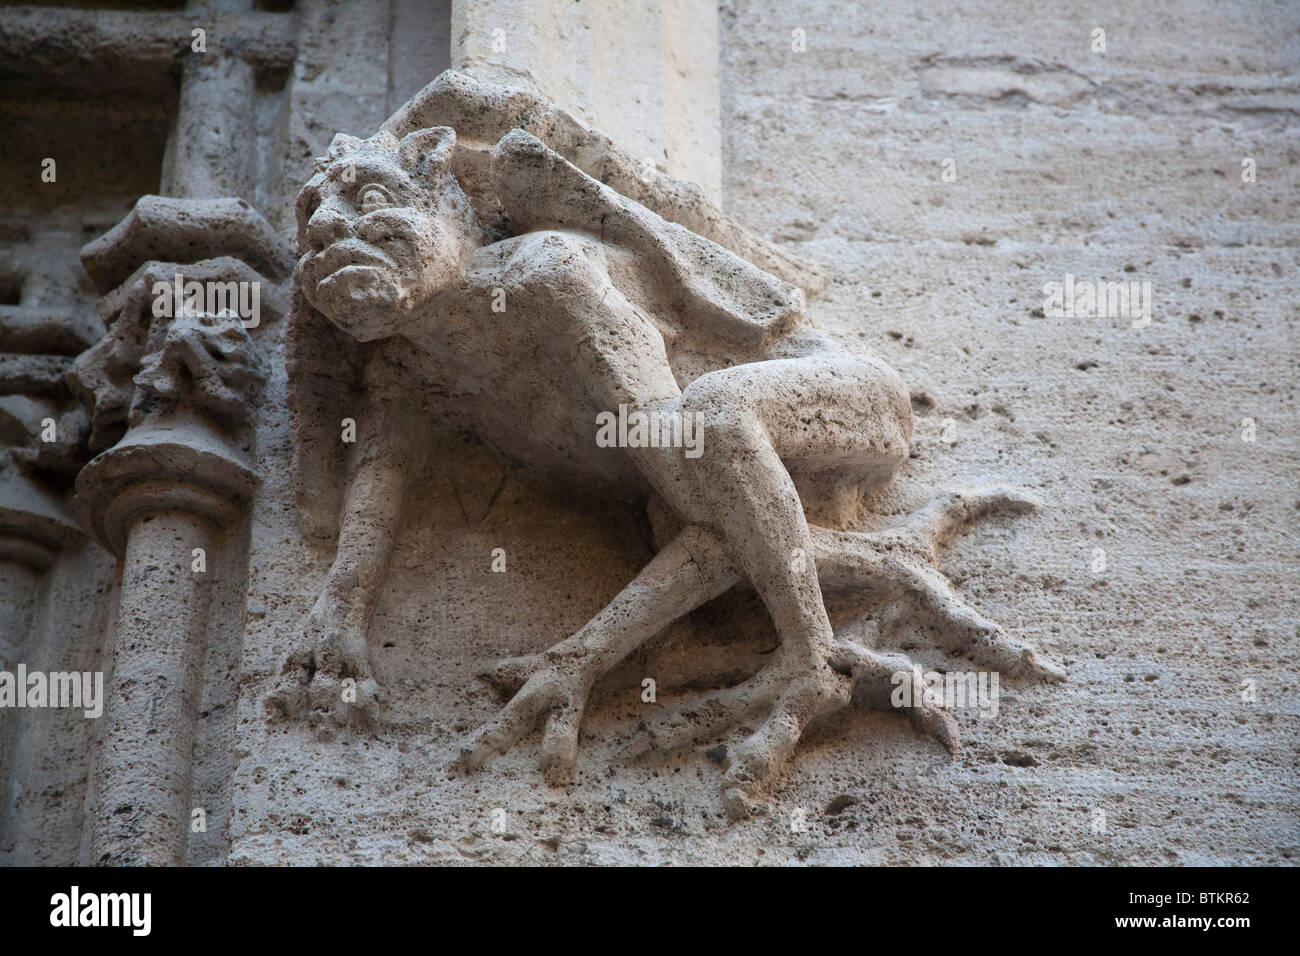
(143, 777)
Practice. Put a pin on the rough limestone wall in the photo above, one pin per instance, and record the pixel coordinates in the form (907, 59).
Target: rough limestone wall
(1125, 165)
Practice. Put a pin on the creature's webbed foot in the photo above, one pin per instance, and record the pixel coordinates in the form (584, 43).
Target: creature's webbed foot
(327, 678)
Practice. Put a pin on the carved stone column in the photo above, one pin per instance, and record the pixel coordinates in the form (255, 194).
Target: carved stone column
(168, 494)
(172, 399)
(160, 499)
(223, 151)
(34, 527)
(163, 499)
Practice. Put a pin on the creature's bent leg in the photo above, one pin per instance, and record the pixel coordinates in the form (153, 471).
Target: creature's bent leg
(825, 411)
(820, 414)
(692, 569)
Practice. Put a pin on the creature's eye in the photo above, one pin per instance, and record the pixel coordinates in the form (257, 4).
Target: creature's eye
(372, 198)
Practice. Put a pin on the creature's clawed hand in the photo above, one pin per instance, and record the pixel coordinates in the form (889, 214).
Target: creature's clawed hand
(327, 677)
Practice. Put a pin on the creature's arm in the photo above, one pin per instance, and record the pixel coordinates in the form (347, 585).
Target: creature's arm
(371, 512)
(718, 291)
(333, 645)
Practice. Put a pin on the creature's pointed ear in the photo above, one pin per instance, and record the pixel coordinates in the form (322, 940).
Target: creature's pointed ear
(343, 143)
(427, 151)
(340, 146)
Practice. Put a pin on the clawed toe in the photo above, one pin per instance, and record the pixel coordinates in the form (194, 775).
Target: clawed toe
(1033, 665)
(938, 723)
(540, 689)
(508, 675)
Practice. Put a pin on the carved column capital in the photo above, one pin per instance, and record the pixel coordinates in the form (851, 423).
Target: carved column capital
(187, 408)
(172, 462)
(42, 432)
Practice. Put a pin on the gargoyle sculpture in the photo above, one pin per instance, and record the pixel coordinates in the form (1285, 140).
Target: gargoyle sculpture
(610, 310)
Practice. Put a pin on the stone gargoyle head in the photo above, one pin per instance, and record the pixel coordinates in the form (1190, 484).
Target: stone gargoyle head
(382, 227)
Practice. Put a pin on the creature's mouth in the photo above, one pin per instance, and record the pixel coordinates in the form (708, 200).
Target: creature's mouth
(348, 253)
